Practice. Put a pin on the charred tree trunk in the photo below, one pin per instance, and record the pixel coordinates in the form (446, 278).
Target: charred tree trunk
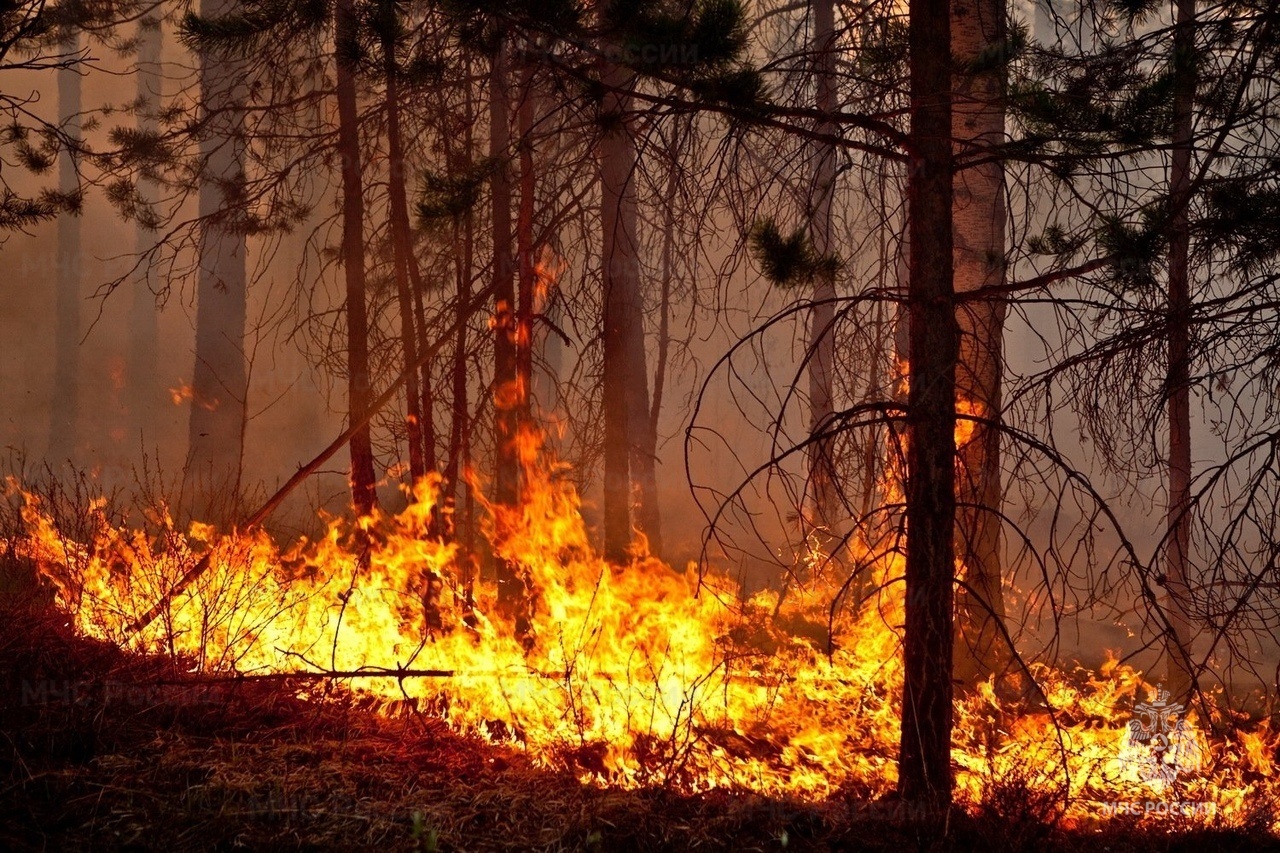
(402, 249)
(65, 410)
(144, 332)
(924, 765)
(627, 464)
(426, 409)
(1180, 675)
(979, 213)
(363, 482)
(824, 501)
(219, 382)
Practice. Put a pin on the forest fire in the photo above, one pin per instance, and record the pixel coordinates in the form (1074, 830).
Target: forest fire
(717, 424)
(642, 674)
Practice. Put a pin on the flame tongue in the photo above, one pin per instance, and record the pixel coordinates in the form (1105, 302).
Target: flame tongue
(635, 674)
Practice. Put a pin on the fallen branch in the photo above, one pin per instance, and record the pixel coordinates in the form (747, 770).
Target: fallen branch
(273, 502)
(400, 674)
(314, 675)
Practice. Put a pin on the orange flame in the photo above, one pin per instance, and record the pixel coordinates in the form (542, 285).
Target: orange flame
(636, 674)
(181, 393)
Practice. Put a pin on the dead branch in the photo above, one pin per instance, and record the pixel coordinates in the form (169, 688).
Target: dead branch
(273, 502)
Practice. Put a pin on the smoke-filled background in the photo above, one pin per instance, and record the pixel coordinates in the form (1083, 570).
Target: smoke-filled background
(723, 338)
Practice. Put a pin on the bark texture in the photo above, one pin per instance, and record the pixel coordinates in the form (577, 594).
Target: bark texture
(363, 482)
(979, 223)
(924, 760)
(630, 474)
(824, 499)
(402, 250)
(1180, 674)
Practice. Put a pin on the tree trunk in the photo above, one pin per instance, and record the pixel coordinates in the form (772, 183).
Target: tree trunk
(428, 400)
(363, 482)
(459, 425)
(455, 523)
(546, 382)
(144, 333)
(504, 295)
(419, 431)
(428, 432)
(824, 501)
(924, 764)
(219, 382)
(526, 253)
(464, 243)
(1180, 674)
(511, 591)
(979, 214)
(663, 343)
(642, 439)
(624, 380)
(65, 409)
(402, 249)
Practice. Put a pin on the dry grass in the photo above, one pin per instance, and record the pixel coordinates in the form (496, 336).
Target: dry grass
(105, 750)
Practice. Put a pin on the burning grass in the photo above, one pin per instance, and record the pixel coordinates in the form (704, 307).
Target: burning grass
(385, 661)
(108, 749)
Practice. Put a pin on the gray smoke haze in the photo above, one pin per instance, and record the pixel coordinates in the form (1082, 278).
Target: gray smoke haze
(296, 407)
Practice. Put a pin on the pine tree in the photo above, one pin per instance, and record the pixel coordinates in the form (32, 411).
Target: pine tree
(624, 380)
(824, 496)
(1181, 676)
(924, 765)
(402, 239)
(346, 52)
(143, 324)
(219, 384)
(980, 42)
(65, 410)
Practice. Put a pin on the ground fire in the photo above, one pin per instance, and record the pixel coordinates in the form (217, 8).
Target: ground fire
(641, 674)
(640, 425)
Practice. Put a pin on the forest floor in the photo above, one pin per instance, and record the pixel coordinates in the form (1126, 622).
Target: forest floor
(106, 750)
